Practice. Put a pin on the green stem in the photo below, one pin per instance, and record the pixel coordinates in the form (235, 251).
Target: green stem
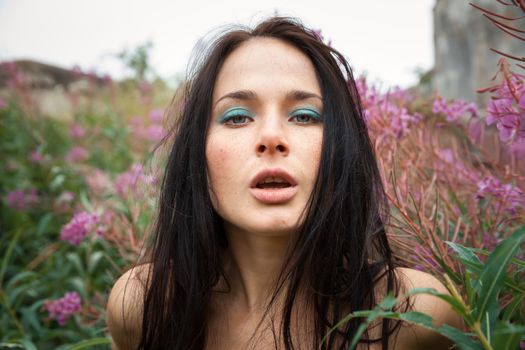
(475, 326)
(11, 312)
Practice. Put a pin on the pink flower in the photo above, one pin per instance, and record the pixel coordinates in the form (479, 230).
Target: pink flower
(63, 203)
(80, 225)
(155, 132)
(36, 157)
(128, 181)
(98, 181)
(506, 109)
(454, 110)
(76, 131)
(61, 309)
(20, 200)
(511, 198)
(447, 162)
(66, 197)
(156, 115)
(388, 110)
(137, 127)
(77, 154)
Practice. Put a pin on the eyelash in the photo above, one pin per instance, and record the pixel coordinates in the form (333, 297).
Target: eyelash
(313, 116)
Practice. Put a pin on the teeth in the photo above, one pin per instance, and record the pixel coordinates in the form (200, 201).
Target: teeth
(273, 179)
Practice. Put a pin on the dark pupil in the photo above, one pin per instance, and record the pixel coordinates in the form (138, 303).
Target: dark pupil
(303, 118)
(238, 119)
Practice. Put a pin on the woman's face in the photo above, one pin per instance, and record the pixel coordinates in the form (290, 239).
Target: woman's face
(264, 141)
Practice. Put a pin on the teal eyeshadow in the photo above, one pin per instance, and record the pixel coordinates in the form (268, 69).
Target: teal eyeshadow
(234, 112)
(306, 111)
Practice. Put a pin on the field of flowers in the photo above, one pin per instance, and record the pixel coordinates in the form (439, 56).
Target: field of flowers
(78, 196)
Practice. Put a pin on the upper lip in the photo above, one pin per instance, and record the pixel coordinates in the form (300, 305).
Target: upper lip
(272, 173)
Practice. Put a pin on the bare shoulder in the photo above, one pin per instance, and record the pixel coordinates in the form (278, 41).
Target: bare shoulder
(414, 337)
(124, 308)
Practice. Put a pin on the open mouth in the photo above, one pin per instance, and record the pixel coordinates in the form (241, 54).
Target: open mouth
(273, 182)
(274, 190)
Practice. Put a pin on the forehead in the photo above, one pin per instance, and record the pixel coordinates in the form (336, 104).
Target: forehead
(268, 66)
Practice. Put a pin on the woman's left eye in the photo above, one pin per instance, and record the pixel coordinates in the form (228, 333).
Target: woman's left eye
(305, 117)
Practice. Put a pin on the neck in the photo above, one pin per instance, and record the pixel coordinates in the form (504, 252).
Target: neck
(253, 266)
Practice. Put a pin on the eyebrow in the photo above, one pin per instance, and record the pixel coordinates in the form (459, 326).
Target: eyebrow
(293, 95)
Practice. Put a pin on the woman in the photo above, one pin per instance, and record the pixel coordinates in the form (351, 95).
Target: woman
(272, 211)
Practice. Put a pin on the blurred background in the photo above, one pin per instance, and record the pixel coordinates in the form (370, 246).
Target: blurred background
(89, 91)
(388, 40)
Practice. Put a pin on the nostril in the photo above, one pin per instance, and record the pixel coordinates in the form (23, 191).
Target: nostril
(262, 148)
(281, 148)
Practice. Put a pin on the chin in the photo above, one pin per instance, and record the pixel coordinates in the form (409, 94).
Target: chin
(274, 225)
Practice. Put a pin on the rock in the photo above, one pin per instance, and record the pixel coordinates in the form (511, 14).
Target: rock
(54, 91)
(462, 41)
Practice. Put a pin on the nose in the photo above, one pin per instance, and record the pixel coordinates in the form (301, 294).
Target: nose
(271, 139)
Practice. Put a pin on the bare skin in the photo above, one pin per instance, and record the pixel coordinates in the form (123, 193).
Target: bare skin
(273, 128)
(232, 326)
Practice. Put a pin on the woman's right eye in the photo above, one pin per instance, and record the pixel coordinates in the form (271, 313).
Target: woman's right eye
(236, 117)
(236, 120)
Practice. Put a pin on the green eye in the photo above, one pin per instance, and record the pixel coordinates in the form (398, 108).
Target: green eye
(305, 116)
(236, 116)
(238, 119)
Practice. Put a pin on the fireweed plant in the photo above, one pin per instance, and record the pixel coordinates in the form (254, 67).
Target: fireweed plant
(78, 197)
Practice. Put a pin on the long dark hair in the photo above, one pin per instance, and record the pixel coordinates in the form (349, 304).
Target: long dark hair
(340, 251)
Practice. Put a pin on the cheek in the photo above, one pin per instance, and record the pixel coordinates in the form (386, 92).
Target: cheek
(311, 147)
(223, 165)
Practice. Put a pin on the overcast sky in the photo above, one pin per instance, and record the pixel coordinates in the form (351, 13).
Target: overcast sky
(387, 39)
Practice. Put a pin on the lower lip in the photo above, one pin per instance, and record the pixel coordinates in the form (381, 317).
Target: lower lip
(274, 195)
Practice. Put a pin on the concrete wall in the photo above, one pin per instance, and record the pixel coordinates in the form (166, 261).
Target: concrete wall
(462, 38)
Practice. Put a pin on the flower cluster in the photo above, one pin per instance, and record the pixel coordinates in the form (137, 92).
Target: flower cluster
(21, 200)
(76, 131)
(77, 154)
(36, 157)
(448, 162)
(80, 225)
(511, 198)
(506, 109)
(61, 309)
(152, 132)
(455, 109)
(127, 182)
(385, 113)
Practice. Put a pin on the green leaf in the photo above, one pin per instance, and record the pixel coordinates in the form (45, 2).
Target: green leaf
(74, 258)
(85, 201)
(513, 307)
(11, 346)
(464, 253)
(463, 340)
(473, 267)
(19, 277)
(90, 342)
(514, 261)
(28, 344)
(43, 223)
(388, 302)
(454, 303)
(418, 318)
(93, 261)
(492, 276)
(507, 336)
(7, 254)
